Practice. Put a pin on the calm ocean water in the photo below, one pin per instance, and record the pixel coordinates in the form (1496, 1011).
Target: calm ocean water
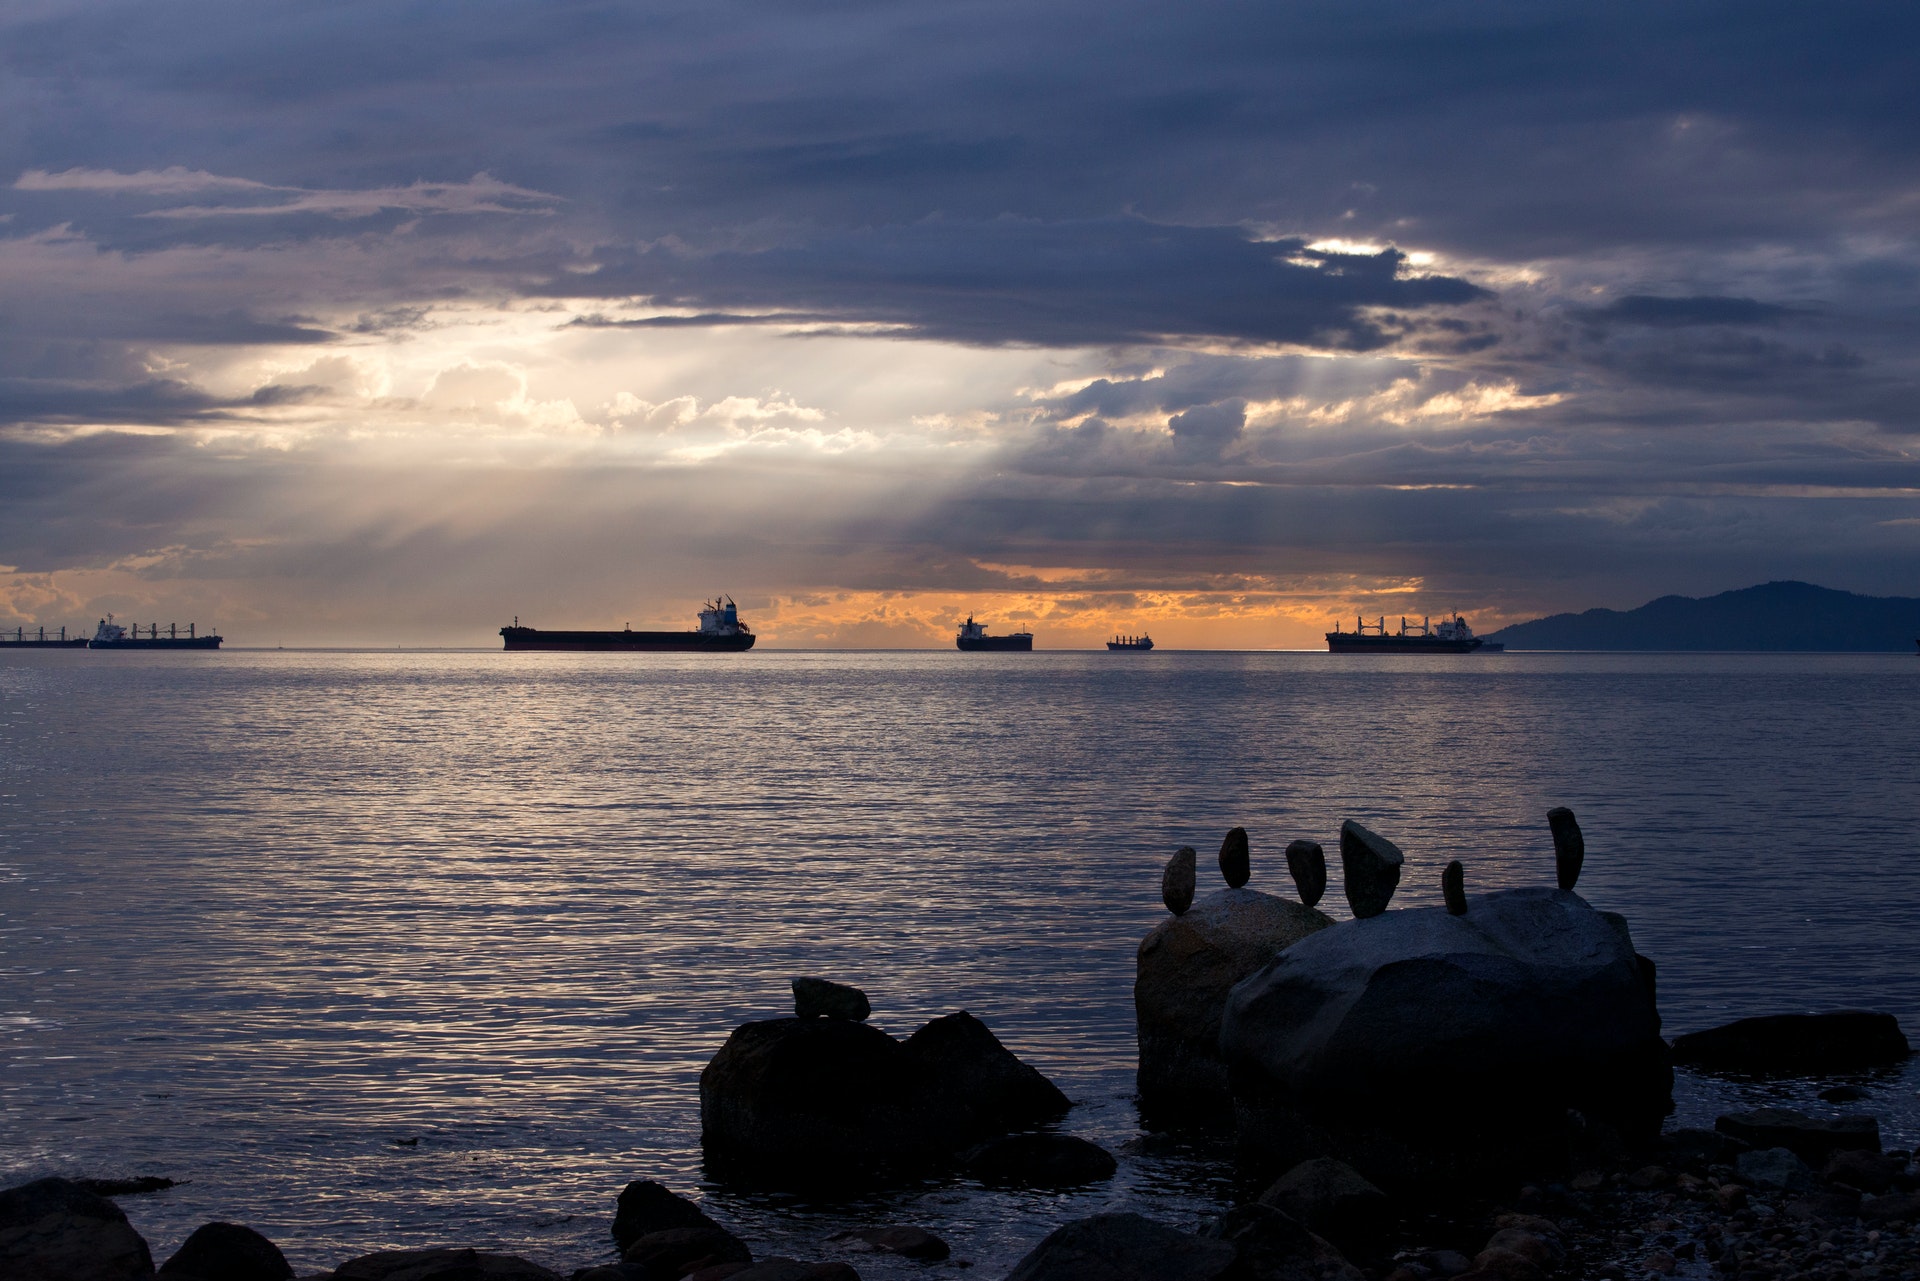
(262, 914)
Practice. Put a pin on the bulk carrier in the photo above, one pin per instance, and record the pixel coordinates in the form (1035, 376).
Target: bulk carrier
(720, 632)
(973, 636)
(112, 635)
(1452, 636)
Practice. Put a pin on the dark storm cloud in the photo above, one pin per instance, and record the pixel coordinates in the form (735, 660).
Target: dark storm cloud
(1673, 313)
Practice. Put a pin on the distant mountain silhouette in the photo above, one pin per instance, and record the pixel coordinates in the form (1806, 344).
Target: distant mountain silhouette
(1773, 616)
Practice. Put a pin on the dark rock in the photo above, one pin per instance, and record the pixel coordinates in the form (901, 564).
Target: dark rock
(778, 1269)
(646, 1206)
(1842, 1094)
(809, 1098)
(227, 1252)
(907, 1241)
(1699, 1148)
(1370, 864)
(1040, 1160)
(611, 1272)
(1569, 846)
(1271, 1245)
(56, 1230)
(1828, 1205)
(1796, 1044)
(674, 1252)
(820, 998)
(718, 1272)
(1236, 860)
(1307, 863)
(440, 1265)
(1773, 1168)
(1894, 1207)
(1333, 1199)
(1423, 1047)
(1811, 1139)
(1453, 887)
(126, 1187)
(1124, 1247)
(1178, 881)
(1186, 967)
(833, 1270)
(1866, 1171)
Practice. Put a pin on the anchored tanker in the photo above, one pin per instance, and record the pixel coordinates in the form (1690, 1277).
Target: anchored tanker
(720, 631)
(1452, 636)
(974, 636)
(112, 635)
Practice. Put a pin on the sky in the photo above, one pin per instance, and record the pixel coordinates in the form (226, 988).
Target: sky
(385, 323)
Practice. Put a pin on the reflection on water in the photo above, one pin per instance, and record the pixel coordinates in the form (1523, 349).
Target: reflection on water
(267, 913)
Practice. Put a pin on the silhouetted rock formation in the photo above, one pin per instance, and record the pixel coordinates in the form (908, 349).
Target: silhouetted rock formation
(56, 1230)
(1812, 1139)
(1270, 1245)
(1178, 881)
(1040, 1160)
(1569, 846)
(1236, 860)
(1370, 865)
(800, 1100)
(1453, 888)
(1419, 1045)
(821, 999)
(1307, 863)
(1124, 1247)
(645, 1207)
(1333, 1199)
(1185, 968)
(440, 1265)
(905, 1241)
(1796, 1044)
(226, 1252)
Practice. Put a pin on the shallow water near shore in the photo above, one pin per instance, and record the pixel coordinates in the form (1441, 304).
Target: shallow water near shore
(263, 915)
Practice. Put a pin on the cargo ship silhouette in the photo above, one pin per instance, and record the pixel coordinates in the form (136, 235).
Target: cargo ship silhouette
(720, 631)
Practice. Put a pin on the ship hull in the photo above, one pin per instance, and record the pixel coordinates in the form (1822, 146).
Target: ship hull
(624, 642)
(72, 642)
(159, 642)
(1018, 644)
(1348, 643)
(1117, 645)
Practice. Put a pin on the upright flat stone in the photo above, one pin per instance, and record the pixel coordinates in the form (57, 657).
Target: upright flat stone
(1371, 865)
(1178, 881)
(1236, 860)
(819, 998)
(1569, 846)
(1307, 862)
(1453, 887)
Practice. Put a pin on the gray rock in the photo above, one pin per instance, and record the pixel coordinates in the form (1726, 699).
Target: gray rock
(440, 1265)
(1797, 1044)
(1569, 846)
(1812, 1139)
(1271, 1245)
(1307, 863)
(1774, 1168)
(1866, 1171)
(1236, 860)
(226, 1252)
(1040, 1160)
(56, 1230)
(674, 1252)
(1424, 1047)
(1124, 1247)
(821, 998)
(1185, 968)
(1370, 864)
(645, 1206)
(904, 1240)
(1453, 887)
(1178, 881)
(1333, 1199)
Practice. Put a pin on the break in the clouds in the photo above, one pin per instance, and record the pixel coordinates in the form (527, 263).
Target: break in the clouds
(363, 320)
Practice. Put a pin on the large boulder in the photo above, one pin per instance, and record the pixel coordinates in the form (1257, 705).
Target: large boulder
(1424, 1047)
(803, 1099)
(1796, 1044)
(645, 1207)
(56, 1230)
(226, 1252)
(1187, 964)
(1125, 1247)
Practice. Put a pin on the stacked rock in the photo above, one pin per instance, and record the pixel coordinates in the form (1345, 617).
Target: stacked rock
(1307, 863)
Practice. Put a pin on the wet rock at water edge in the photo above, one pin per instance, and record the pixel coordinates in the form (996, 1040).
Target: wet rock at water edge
(1124, 1247)
(440, 1265)
(821, 998)
(1370, 864)
(1307, 863)
(226, 1252)
(1236, 860)
(905, 1240)
(1333, 1199)
(1271, 1245)
(645, 1206)
(1812, 1139)
(1453, 888)
(674, 1252)
(1569, 846)
(1774, 1168)
(777, 1269)
(1040, 1160)
(56, 1230)
(1797, 1044)
(1178, 881)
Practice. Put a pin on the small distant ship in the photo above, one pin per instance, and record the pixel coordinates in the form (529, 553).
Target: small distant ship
(1131, 642)
(1451, 636)
(720, 632)
(23, 639)
(112, 635)
(974, 636)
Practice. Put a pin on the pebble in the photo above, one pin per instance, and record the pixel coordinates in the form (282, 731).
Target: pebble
(1177, 882)
(1308, 864)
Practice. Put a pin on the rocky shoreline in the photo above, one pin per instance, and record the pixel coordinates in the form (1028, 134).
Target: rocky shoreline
(1476, 1092)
